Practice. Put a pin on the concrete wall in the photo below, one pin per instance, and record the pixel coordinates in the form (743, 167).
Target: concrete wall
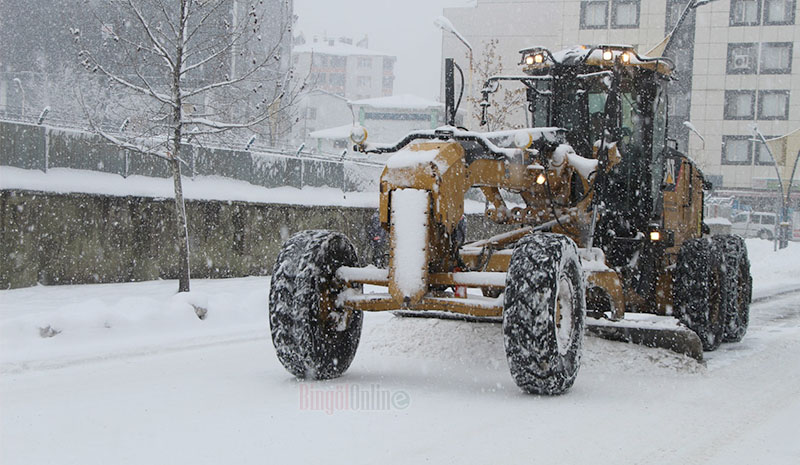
(79, 238)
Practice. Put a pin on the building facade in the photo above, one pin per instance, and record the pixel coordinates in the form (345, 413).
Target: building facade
(342, 68)
(336, 71)
(40, 66)
(737, 65)
(319, 109)
(387, 120)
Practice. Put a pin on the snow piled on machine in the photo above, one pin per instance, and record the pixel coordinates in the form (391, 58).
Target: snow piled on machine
(410, 228)
(407, 158)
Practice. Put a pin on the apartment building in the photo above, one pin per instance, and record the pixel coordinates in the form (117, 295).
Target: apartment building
(335, 71)
(737, 65)
(340, 67)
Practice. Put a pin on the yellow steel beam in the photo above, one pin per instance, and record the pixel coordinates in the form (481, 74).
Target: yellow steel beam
(473, 305)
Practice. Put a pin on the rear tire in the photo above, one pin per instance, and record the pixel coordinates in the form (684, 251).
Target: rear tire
(701, 290)
(312, 337)
(544, 314)
(737, 272)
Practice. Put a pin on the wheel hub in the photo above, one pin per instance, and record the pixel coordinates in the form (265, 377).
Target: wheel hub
(563, 316)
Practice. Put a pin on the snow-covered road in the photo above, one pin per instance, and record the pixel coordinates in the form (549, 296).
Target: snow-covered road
(111, 389)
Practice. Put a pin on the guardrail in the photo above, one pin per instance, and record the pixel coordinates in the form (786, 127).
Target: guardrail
(42, 146)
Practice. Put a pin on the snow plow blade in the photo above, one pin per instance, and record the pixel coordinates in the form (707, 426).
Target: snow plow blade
(656, 331)
(649, 330)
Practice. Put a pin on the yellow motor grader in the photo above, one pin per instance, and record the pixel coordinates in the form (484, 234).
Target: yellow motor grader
(604, 219)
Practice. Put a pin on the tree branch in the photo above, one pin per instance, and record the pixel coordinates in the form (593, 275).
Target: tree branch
(163, 52)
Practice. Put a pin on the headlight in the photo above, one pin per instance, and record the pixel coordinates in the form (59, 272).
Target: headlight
(358, 135)
(608, 55)
(655, 236)
(541, 179)
(626, 57)
(529, 60)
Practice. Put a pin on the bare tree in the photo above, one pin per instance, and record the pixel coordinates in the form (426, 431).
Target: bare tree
(507, 103)
(180, 69)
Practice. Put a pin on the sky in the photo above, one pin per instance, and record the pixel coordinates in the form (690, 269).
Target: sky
(401, 28)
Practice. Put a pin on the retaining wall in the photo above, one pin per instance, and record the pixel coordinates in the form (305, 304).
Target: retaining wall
(52, 238)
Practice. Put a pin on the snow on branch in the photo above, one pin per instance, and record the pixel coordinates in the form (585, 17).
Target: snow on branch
(243, 77)
(153, 39)
(147, 90)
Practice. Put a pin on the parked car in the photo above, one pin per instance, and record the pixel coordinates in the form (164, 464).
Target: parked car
(754, 224)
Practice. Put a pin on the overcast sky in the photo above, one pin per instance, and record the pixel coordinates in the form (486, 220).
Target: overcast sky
(402, 28)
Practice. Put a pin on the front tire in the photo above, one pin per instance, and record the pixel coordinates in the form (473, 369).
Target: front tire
(313, 337)
(544, 314)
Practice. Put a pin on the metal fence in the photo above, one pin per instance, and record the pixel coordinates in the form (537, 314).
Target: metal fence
(42, 147)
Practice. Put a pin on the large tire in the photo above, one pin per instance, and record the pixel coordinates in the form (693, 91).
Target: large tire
(544, 313)
(737, 271)
(312, 338)
(700, 290)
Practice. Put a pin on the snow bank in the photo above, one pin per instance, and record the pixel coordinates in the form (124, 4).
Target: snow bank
(773, 271)
(66, 181)
(53, 324)
(56, 323)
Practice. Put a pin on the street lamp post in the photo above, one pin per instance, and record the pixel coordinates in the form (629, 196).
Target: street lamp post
(445, 25)
(22, 91)
(781, 236)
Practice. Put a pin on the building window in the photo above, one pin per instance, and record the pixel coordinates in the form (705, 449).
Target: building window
(311, 113)
(338, 62)
(779, 11)
(773, 104)
(336, 79)
(776, 58)
(365, 62)
(388, 65)
(594, 14)
(745, 13)
(740, 104)
(762, 155)
(318, 79)
(625, 14)
(388, 82)
(364, 81)
(742, 58)
(736, 150)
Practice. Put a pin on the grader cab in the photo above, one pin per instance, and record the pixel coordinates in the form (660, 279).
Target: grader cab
(603, 217)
